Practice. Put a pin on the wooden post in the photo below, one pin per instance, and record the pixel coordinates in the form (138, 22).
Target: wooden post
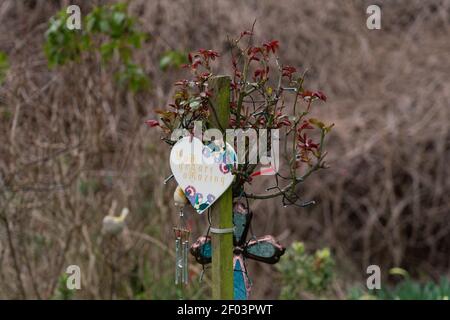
(222, 210)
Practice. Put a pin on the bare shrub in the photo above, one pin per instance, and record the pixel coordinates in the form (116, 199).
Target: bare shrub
(73, 145)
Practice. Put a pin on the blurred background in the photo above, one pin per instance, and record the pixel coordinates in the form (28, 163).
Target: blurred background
(74, 148)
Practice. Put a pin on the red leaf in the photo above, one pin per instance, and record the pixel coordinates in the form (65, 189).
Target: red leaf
(320, 95)
(246, 33)
(285, 122)
(317, 94)
(152, 123)
(288, 71)
(271, 45)
(208, 54)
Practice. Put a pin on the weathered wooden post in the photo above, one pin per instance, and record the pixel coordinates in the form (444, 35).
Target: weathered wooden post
(222, 215)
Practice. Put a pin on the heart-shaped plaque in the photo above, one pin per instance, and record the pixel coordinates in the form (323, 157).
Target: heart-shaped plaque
(203, 172)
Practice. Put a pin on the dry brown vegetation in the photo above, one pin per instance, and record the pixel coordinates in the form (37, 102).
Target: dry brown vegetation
(73, 145)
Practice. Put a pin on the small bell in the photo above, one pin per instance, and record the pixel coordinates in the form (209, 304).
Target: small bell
(179, 198)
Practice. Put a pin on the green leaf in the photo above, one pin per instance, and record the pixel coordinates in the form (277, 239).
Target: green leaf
(90, 23)
(172, 59)
(165, 62)
(136, 39)
(107, 50)
(108, 30)
(4, 66)
(399, 272)
(194, 104)
(317, 123)
(104, 26)
(118, 17)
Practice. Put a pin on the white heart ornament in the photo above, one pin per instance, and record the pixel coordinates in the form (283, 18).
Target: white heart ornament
(202, 172)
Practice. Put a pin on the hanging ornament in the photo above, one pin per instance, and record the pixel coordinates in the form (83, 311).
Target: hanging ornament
(181, 255)
(202, 250)
(203, 172)
(264, 249)
(241, 282)
(182, 234)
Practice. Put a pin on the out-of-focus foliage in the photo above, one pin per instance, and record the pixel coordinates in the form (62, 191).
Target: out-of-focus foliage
(108, 30)
(77, 145)
(133, 76)
(407, 290)
(147, 286)
(62, 292)
(172, 59)
(304, 272)
(4, 66)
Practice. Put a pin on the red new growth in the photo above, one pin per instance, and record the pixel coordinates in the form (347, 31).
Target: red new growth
(271, 45)
(152, 123)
